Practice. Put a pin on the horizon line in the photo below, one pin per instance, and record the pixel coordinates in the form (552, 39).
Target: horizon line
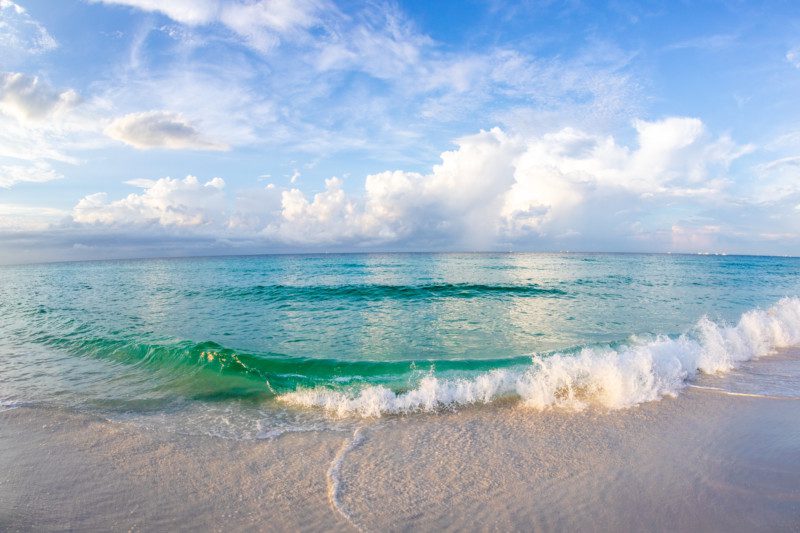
(396, 252)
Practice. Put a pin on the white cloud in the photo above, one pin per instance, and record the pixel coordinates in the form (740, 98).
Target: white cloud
(160, 129)
(777, 180)
(27, 98)
(262, 23)
(37, 144)
(166, 202)
(382, 44)
(329, 217)
(493, 188)
(364, 78)
(20, 218)
(217, 98)
(21, 35)
(37, 173)
(496, 186)
(706, 42)
(39, 123)
(183, 11)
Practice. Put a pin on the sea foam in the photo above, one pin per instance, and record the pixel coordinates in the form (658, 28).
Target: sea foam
(615, 378)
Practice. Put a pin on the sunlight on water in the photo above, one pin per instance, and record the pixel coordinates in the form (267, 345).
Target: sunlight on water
(153, 335)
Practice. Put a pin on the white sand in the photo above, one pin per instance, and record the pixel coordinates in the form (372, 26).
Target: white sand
(706, 460)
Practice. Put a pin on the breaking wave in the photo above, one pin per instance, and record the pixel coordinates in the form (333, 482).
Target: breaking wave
(612, 377)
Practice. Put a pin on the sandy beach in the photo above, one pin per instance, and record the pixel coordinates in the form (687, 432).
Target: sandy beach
(712, 459)
(326, 265)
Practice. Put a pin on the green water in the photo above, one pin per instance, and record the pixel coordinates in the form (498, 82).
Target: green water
(145, 335)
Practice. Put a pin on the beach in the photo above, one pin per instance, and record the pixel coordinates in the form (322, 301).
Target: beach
(420, 392)
(315, 265)
(715, 458)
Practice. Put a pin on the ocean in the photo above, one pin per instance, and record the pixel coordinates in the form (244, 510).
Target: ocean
(254, 347)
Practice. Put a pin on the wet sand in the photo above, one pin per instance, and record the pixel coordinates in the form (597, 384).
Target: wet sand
(705, 461)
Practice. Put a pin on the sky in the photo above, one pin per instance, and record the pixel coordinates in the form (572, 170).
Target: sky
(140, 128)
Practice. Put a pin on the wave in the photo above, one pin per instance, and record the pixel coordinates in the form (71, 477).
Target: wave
(210, 371)
(615, 376)
(612, 377)
(368, 291)
(214, 356)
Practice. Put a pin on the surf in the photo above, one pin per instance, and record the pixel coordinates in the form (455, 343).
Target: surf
(611, 377)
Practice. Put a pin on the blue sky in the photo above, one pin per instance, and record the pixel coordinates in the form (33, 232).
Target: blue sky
(136, 128)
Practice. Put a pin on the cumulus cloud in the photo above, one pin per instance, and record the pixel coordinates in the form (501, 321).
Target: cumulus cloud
(160, 129)
(39, 123)
(27, 98)
(37, 173)
(497, 187)
(165, 202)
(494, 188)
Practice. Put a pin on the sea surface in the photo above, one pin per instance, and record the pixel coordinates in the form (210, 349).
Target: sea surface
(251, 347)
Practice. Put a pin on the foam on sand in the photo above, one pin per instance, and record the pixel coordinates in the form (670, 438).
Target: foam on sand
(615, 378)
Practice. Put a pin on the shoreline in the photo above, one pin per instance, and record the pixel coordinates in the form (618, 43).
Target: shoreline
(702, 461)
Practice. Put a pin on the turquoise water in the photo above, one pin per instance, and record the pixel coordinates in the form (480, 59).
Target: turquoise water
(150, 336)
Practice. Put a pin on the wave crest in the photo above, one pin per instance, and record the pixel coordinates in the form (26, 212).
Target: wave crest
(372, 292)
(615, 378)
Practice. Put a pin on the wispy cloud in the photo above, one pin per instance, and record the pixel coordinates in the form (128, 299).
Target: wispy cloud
(368, 80)
(17, 218)
(261, 24)
(20, 34)
(718, 41)
(37, 173)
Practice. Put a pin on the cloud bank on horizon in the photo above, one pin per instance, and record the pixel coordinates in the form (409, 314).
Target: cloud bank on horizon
(137, 127)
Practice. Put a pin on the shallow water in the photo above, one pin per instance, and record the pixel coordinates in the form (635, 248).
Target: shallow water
(251, 347)
(705, 461)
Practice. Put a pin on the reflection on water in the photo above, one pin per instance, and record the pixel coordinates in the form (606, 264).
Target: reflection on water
(126, 333)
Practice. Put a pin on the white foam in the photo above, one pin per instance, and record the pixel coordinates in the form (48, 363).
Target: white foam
(7, 405)
(746, 394)
(335, 478)
(614, 378)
